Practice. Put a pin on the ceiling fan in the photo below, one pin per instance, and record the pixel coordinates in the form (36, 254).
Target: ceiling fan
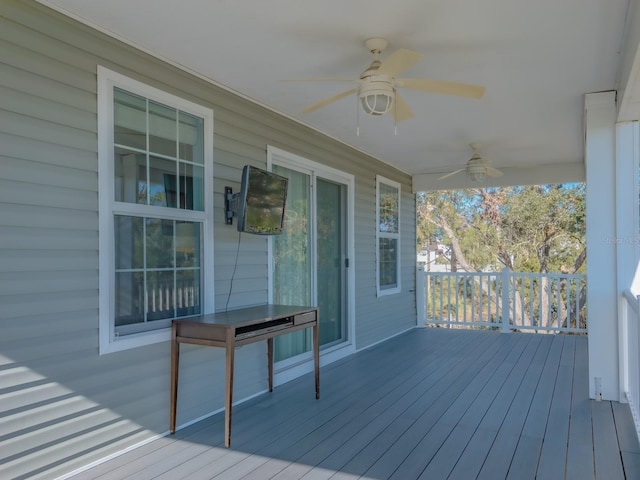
(378, 84)
(477, 168)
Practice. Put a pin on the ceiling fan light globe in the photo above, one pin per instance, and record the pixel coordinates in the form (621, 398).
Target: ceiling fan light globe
(376, 98)
(477, 176)
(376, 104)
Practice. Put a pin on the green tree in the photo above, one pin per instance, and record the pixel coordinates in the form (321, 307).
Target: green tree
(527, 228)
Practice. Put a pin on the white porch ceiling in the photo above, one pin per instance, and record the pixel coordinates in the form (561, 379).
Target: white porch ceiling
(536, 59)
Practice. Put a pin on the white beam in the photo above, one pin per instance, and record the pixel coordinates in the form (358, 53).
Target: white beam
(629, 74)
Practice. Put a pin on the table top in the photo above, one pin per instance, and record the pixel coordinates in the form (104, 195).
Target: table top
(247, 316)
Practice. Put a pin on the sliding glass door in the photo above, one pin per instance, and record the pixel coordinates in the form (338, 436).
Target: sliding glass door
(331, 260)
(310, 257)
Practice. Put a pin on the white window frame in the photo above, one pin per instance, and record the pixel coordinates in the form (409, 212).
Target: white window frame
(381, 291)
(108, 207)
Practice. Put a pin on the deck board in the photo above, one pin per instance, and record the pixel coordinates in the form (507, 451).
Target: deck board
(432, 403)
(608, 462)
(627, 439)
(554, 448)
(580, 448)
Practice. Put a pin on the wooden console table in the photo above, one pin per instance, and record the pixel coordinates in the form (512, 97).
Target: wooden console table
(236, 328)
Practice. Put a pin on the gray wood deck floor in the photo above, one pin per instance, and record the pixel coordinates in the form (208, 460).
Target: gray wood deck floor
(429, 404)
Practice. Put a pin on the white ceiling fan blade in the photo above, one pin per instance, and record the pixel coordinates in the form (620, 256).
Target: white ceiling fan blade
(320, 79)
(451, 174)
(401, 110)
(327, 101)
(398, 62)
(438, 86)
(493, 172)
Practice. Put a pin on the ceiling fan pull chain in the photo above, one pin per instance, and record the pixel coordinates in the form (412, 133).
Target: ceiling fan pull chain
(395, 117)
(357, 117)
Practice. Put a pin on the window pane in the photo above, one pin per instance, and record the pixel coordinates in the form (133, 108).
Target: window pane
(130, 119)
(187, 292)
(388, 255)
(187, 244)
(159, 243)
(168, 128)
(191, 187)
(163, 129)
(130, 176)
(160, 299)
(129, 237)
(163, 189)
(129, 298)
(156, 290)
(388, 209)
(190, 138)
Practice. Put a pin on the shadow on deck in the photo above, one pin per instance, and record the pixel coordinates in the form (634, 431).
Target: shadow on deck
(431, 403)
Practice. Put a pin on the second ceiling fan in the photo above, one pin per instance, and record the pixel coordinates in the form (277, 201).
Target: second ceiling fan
(477, 168)
(378, 84)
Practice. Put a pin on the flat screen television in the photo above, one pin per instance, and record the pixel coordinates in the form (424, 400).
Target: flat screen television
(260, 204)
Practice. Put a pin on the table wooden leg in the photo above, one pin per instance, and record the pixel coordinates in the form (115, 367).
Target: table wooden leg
(270, 362)
(228, 403)
(316, 357)
(175, 360)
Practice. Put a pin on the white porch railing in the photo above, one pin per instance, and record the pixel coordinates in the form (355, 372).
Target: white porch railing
(540, 302)
(630, 353)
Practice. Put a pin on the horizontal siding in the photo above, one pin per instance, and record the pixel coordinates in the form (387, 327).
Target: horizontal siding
(18, 50)
(38, 238)
(43, 153)
(47, 325)
(40, 174)
(16, 215)
(60, 113)
(47, 91)
(61, 404)
(28, 194)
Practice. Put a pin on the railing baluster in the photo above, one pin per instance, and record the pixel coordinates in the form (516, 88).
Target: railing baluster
(463, 279)
(441, 302)
(456, 296)
(538, 319)
(531, 296)
(558, 302)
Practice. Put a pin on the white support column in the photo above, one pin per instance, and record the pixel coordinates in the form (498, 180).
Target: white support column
(602, 304)
(627, 239)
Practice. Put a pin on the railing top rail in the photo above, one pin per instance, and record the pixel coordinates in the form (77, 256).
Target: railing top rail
(550, 274)
(520, 274)
(460, 273)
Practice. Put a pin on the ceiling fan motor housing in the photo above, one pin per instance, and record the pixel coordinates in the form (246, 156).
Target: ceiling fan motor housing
(476, 168)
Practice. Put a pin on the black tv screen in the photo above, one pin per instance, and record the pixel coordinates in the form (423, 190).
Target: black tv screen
(262, 203)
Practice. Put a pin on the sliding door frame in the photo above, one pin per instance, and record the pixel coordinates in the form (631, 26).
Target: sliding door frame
(291, 368)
